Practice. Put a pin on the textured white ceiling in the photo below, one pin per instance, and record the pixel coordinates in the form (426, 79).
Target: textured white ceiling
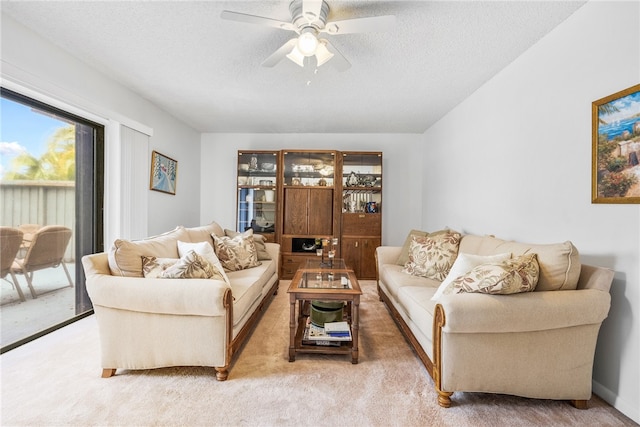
(206, 71)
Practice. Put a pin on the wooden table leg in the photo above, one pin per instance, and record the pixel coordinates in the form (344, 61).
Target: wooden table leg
(355, 318)
(292, 327)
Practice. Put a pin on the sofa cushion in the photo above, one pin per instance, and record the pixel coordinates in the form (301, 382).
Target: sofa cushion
(463, 264)
(247, 286)
(258, 240)
(125, 256)
(392, 278)
(511, 276)
(559, 262)
(204, 232)
(153, 267)
(417, 305)
(237, 253)
(205, 250)
(432, 256)
(192, 266)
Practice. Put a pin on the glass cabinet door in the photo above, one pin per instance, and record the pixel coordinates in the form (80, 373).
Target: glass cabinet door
(362, 182)
(257, 183)
(309, 169)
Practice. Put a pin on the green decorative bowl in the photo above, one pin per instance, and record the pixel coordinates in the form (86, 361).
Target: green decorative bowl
(326, 311)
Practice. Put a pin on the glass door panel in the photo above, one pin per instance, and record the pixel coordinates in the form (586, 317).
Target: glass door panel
(41, 184)
(256, 192)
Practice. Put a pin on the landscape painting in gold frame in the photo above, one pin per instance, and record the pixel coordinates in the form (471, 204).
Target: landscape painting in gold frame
(616, 148)
(164, 173)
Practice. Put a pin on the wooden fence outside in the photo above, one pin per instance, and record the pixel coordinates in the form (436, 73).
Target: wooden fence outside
(42, 203)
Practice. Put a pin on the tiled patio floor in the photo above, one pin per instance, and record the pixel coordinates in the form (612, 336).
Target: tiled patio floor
(22, 319)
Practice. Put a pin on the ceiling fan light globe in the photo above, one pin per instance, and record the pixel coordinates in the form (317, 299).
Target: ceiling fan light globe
(322, 53)
(307, 44)
(296, 56)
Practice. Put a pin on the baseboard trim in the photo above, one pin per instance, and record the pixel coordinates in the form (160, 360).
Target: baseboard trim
(631, 411)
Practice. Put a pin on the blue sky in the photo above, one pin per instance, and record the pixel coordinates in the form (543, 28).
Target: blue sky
(23, 129)
(627, 106)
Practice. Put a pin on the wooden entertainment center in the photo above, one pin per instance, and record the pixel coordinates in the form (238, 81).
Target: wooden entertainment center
(295, 197)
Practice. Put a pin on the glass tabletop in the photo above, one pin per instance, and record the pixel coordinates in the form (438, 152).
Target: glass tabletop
(325, 280)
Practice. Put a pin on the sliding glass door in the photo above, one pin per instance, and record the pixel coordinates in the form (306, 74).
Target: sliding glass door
(51, 181)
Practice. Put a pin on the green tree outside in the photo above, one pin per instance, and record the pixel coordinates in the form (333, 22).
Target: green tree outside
(58, 163)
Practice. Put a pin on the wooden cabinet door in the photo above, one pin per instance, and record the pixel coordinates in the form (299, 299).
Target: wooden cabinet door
(320, 212)
(351, 253)
(368, 257)
(308, 211)
(295, 211)
(359, 255)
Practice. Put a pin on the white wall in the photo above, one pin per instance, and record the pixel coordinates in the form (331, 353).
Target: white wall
(401, 162)
(34, 63)
(514, 160)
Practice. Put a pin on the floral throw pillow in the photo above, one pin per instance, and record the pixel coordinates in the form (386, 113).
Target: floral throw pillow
(153, 267)
(236, 253)
(512, 276)
(463, 264)
(205, 250)
(192, 266)
(258, 240)
(432, 256)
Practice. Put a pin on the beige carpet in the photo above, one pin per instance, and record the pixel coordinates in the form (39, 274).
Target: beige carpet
(56, 381)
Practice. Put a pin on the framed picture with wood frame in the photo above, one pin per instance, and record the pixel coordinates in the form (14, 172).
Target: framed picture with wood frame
(164, 173)
(615, 176)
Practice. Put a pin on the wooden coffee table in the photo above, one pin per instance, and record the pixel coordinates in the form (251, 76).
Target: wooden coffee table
(314, 281)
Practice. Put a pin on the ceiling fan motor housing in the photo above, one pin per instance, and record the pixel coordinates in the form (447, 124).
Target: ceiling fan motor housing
(301, 21)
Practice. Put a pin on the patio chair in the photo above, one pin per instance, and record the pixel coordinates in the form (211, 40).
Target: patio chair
(45, 251)
(10, 242)
(29, 230)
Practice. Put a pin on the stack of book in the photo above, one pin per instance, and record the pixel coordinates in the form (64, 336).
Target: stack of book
(332, 334)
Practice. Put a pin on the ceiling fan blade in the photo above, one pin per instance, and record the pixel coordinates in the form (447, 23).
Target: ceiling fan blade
(259, 20)
(338, 60)
(280, 54)
(311, 9)
(360, 25)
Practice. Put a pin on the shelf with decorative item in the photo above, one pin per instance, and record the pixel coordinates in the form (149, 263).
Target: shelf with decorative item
(357, 179)
(309, 169)
(257, 179)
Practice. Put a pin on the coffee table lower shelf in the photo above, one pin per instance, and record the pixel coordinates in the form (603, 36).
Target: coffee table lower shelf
(344, 347)
(304, 346)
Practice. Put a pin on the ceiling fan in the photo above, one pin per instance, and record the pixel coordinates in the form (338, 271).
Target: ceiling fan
(309, 21)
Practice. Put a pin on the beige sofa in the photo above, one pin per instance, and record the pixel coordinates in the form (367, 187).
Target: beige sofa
(536, 344)
(156, 322)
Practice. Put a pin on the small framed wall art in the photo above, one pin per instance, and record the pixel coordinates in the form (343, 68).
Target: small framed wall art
(615, 176)
(164, 173)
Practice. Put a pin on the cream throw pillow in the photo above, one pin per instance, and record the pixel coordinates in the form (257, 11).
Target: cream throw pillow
(205, 250)
(464, 264)
(125, 256)
(432, 256)
(512, 276)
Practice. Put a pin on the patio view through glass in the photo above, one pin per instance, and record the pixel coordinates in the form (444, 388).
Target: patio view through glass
(39, 149)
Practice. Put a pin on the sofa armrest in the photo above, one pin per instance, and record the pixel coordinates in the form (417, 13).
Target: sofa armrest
(531, 311)
(387, 254)
(198, 297)
(595, 278)
(274, 252)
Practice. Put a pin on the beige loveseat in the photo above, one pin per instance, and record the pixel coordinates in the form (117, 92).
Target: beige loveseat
(149, 322)
(536, 344)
